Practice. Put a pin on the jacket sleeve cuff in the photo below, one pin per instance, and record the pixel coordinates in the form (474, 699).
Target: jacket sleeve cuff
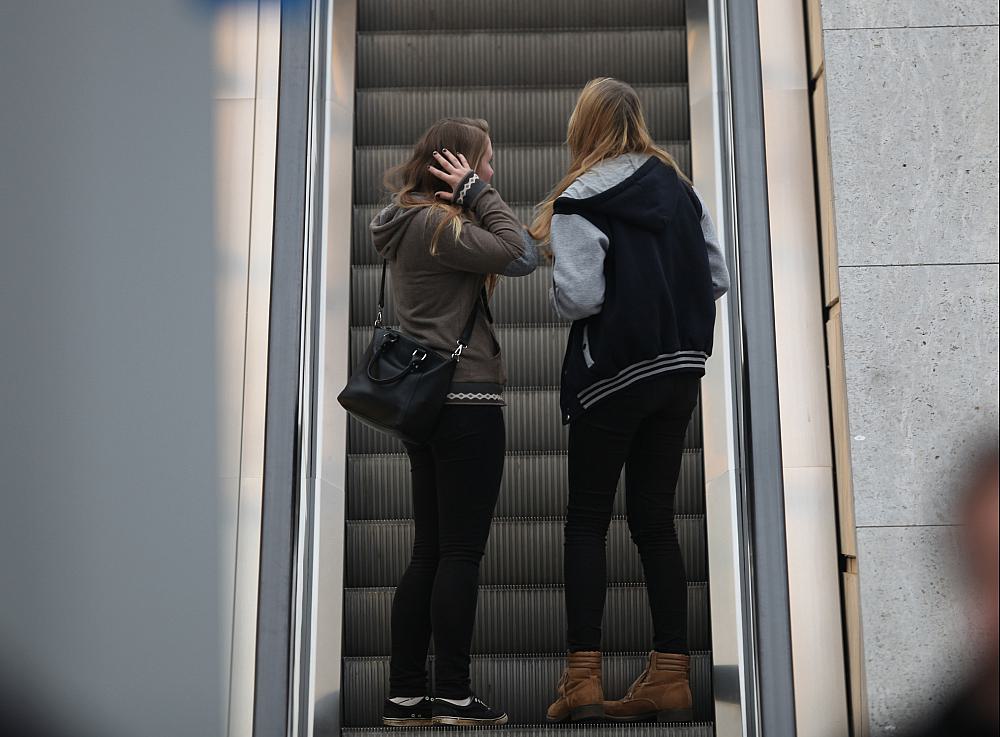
(468, 190)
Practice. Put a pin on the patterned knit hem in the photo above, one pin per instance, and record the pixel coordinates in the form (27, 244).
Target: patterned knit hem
(475, 393)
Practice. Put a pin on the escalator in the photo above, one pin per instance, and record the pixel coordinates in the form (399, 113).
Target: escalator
(520, 65)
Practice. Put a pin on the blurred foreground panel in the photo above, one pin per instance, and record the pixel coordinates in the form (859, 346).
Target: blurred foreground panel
(110, 623)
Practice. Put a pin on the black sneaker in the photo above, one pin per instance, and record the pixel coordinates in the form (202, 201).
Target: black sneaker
(418, 715)
(476, 713)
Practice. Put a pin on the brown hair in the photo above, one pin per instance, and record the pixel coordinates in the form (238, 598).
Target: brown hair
(413, 185)
(606, 122)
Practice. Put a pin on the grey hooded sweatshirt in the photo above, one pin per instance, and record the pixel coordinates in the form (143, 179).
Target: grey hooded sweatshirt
(433, 294)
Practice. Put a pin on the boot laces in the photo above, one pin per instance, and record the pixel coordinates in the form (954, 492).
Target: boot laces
(637, 682)
(562, 681)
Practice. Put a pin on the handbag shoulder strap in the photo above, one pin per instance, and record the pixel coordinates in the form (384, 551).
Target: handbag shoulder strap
(381, 295)
(463, 341)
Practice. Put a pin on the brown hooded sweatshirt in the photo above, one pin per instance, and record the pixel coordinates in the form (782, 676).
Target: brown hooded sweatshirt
(433, 294)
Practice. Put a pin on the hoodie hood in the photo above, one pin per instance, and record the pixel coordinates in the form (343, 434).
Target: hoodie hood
(389, 228)
(635, 188)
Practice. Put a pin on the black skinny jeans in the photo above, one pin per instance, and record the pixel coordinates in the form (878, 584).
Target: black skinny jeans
(456, 482)
(641, 428)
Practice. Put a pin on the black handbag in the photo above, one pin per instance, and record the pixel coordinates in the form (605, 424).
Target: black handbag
(400, 386)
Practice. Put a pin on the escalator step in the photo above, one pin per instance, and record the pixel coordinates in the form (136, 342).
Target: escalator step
(523, 173)
(522, 685)
(533, 355)
(516, 116)
(533, 421)
(378, 486)
(527, 59)
(503, 611)
(439, 15)
(520, 551)
(533, 730)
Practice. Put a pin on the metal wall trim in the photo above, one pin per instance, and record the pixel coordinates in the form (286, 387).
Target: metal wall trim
(331, 285)
(303, 606)
(281, 487)
(254, 373)
(761, 426)
(726, 527)
(810, 508)
(314, 381)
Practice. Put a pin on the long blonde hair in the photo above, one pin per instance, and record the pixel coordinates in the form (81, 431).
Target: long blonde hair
(606, 122)
(412, 185)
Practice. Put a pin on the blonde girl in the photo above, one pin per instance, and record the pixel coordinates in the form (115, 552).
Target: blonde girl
(637, 269)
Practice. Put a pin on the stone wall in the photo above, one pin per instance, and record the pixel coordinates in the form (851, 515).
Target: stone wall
(910, 90)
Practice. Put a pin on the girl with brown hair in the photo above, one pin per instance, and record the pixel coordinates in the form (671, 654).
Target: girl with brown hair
(448, 236)
(637, 268)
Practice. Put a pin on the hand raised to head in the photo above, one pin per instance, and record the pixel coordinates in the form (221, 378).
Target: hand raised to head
(453, 169)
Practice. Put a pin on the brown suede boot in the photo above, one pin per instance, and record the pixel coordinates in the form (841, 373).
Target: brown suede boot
(580, 694)
(661, 692)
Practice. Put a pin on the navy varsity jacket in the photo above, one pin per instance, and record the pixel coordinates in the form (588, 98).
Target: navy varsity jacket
(652, 306)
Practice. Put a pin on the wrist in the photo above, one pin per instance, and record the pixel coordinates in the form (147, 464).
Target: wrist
(468, 190)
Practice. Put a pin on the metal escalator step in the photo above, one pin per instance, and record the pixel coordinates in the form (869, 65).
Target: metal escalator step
(363, 253)
(607, 729)
(517, 301)
(534, 485)
(533, 420)
(504, 610)
(523, 173)
(519, 551)
(533, 355)
(525, 300)
(525, 59)
(516, 116)
(437, 15)
(522, 685)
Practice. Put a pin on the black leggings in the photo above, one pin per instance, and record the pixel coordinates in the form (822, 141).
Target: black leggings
(641, 428)
(456, 481)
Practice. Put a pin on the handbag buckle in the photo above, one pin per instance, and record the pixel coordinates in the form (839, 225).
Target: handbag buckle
(378, 319)
(458, 352)
(423, 355)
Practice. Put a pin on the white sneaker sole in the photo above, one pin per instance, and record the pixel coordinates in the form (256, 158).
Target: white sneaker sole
(467, 722)
(388, 722)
